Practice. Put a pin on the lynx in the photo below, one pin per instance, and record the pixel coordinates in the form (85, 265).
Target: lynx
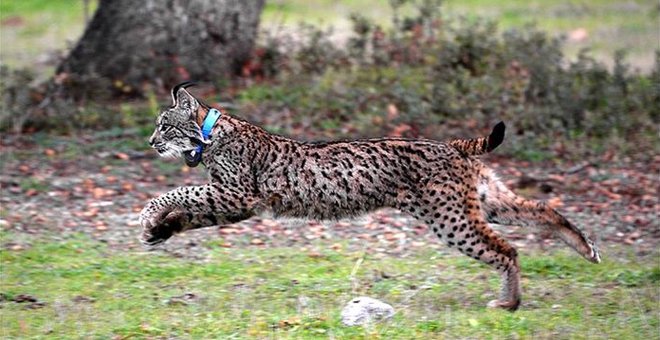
(442, 184)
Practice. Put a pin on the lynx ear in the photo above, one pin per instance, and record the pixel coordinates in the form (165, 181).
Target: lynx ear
(181, 97)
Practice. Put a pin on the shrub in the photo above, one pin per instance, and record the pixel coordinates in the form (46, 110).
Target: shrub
(423, 72)
(426, 70)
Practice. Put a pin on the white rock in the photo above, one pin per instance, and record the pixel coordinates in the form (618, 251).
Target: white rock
(362, 310)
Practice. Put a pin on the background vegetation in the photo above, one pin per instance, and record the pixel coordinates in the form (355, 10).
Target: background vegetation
(577, 82)
(425, 67)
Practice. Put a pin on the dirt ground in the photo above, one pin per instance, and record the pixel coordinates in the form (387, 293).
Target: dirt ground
(47, 190)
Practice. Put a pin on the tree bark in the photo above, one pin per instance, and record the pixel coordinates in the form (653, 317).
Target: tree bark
(131, 43)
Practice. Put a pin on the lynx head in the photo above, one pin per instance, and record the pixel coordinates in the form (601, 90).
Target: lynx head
(177, 131)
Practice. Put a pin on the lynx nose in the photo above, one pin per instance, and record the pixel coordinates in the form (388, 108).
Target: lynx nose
(152, 139)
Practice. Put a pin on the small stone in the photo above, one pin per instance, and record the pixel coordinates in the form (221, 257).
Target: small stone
(363, 310)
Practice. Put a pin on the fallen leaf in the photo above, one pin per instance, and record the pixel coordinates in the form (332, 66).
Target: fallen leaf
(608, 193)
(314, 254)
(184, 299)
(399, 130)
(98, 192)
(555, 202)
(36, 305)
(127, 186)
(389, 236)
(290, 322)
(229, 231)
(82, 299)
(578, 34)
(377, 120)
(256, 242)
(61, 77)
(90, 213)
(100, 226)
(269, 223)
(13, 20)
(22, 298)
(122, 156)
(102, 192)
(392, 112)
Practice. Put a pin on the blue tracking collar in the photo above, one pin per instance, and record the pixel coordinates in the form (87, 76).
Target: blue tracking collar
(211, 118)
(209, 122)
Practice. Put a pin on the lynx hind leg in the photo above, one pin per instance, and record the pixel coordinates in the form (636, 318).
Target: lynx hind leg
(502, 206)
(496, 252)
(461, 225)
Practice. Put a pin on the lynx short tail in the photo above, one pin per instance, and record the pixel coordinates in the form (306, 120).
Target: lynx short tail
(483, 145)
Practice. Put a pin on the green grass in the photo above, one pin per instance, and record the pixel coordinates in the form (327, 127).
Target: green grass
(11, 8)
(33, 30)
(254, 292)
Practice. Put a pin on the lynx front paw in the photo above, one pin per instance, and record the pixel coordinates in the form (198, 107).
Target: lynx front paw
(150, 217)
(157, 227)
(154, 236)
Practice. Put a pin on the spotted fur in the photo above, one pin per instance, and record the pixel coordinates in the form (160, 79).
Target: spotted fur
(441, 184)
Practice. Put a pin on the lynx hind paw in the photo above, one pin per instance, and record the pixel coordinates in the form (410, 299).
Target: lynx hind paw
(504, 304)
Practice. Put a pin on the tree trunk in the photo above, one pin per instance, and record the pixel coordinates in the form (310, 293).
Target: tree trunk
(132, 43)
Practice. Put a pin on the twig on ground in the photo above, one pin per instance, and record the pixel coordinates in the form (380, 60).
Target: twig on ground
(356, 267)
(576, 168)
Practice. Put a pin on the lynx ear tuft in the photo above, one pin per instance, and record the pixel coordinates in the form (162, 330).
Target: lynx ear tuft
(180, 95)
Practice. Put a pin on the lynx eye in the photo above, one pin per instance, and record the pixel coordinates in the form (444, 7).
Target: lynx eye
(164, 128)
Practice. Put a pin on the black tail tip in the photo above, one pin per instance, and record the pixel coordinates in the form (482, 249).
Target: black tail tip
(496, 137)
